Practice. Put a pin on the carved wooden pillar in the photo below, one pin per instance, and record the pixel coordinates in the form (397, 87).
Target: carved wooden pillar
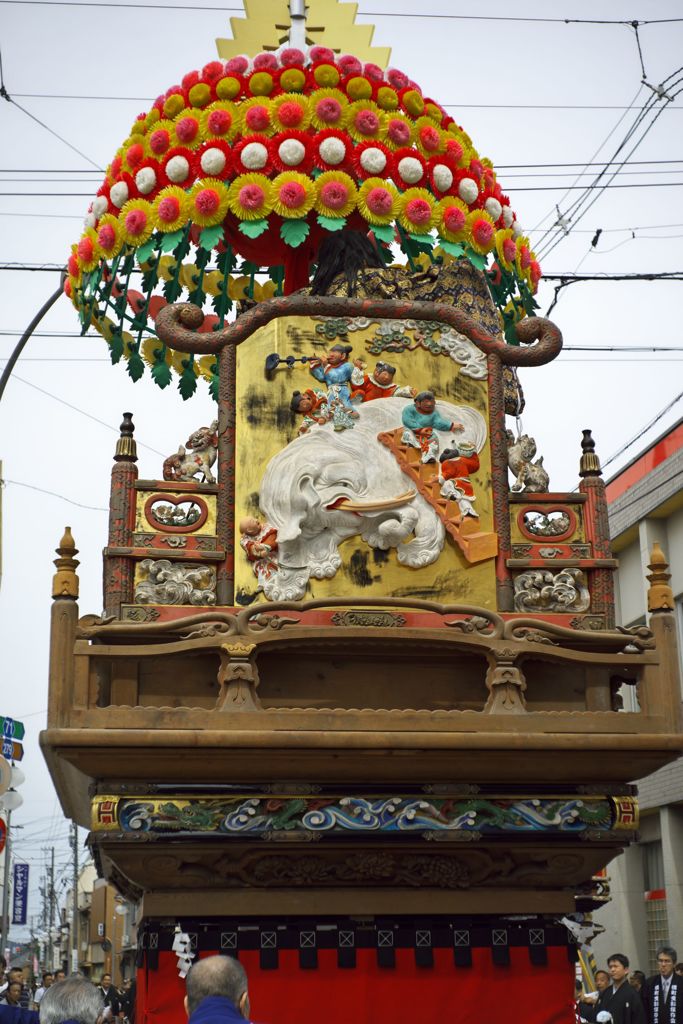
(63, 622)
(500, 484)
(506, 684)
(238, 677)
(660, 693)
(225, 526)
(596, 524)
(119, 571)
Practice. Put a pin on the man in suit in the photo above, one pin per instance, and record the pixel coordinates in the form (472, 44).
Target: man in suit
(663, 993)
(620, 1000)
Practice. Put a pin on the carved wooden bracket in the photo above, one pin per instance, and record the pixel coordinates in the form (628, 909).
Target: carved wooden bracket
(506, 685)
(238, 678)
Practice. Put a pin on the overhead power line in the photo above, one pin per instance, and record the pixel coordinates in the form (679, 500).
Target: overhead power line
(365, 14)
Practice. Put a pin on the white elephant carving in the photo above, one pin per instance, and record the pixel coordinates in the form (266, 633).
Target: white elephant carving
(304, 483)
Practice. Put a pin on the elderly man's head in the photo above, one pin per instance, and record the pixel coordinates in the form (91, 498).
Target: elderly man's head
(73, 999)
(217, 976)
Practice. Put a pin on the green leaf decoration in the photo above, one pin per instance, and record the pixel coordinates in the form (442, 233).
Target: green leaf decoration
(246, 267)
(169, 242)
(331, 223)
(476, 258)
(385, 232)
(187, 385)
(183, 247)
(452, 248)
(136, 367)
(294, 232)
(253, 228)
(509, 329)
(146, 250)
(161, 373)
(210, 237)
(172, 290)
(225, 260)
(222, 304)
(213, 387)
(116, 347)
(422, 239)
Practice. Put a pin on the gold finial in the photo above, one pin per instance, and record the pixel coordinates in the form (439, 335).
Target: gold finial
(126, 448)
(590, 463)
(65, 580)
(660, 596)
(271, 23)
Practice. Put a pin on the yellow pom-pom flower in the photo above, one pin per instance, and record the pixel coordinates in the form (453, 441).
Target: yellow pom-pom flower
(365, 121)
(386, 98)
(187, 129)
(336, 194)
(199, 95)
(88, 250)
(109, 235)
(506, 249)
(292, 80)
(220, 121)
(451, 219)
(171, 209)
(329, 109)
(256, 116)
(173, 105)
(416, 210)
(209, 201)
(481, 231)
(251, 196)
(293, 195)
(378, 201)
(291, 112)
(137, 221)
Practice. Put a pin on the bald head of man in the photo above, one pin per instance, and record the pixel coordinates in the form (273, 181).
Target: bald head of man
(217, 976)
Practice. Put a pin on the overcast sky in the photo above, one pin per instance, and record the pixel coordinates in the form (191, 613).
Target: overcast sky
(529, 94)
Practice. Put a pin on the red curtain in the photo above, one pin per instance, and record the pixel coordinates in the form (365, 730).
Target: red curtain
(367, 994)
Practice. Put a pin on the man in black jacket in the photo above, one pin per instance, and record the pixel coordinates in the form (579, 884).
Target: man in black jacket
(663, 993)
(111, 995)
(620, 999)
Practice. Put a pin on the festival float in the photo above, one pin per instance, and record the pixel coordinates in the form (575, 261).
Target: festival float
(352, 710)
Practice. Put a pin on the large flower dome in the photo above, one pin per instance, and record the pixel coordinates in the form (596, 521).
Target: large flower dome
(239, 171)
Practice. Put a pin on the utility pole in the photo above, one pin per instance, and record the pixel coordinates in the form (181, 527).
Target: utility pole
(5, 886)
(74, 896)
(51, 909)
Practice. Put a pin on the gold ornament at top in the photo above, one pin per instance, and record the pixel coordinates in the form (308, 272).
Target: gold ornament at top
(65, 580)
(660, 596)
(271, 23)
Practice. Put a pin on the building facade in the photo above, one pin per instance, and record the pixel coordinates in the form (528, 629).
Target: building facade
(646, 507)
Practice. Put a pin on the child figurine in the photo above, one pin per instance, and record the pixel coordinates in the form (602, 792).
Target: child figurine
(379, 384)
(419, 424)
(312, 405)
(259, 541)
(454, 474)
(337, 373)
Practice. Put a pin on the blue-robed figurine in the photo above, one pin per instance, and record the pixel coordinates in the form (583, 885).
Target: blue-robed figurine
(336, 372)
(419, 423)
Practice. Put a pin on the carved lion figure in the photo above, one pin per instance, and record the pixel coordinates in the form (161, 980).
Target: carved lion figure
(186, 464)
(529, 476)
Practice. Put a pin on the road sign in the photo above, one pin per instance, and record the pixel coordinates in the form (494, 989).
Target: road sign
(12, 750)
(11, 728)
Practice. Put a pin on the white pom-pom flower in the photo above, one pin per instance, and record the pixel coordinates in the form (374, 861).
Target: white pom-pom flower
(177, 169)
(254, 156)
(99, 206)
(604, 1017)
(443, 177)
(119, 194)
(145, 180)
(493, 208)
(468, 190)
(291, 152)
(90, 221)
(212, 160)
(508, 216)
(410, 170)
(373, 160)
(332, 151)
(517, 229)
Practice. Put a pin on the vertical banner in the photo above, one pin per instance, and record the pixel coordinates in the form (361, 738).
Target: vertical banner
(20, 894)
